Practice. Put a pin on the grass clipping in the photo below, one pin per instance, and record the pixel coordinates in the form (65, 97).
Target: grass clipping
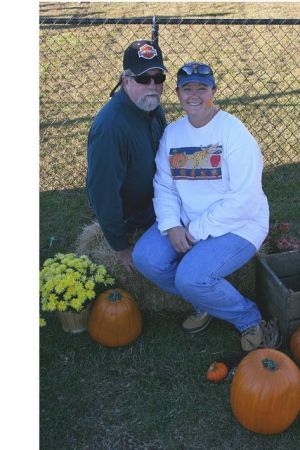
(91, 242)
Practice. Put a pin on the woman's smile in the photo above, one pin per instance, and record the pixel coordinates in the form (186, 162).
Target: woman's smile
(196, 100)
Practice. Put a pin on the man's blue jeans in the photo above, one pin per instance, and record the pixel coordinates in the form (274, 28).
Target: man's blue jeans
(198, 275)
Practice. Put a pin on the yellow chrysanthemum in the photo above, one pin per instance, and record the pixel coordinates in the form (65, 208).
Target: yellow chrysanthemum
(48, 262)
(61, 306)
(70, 279)
(110, 281)
(42, 322)
(50, 305)
(89, 284)
(99, 278)
(59, 288)
(50, 284)
(71, 290)
(77, 304)
(67, 282)
(82, 295)
(68, 295)
(102, 270)
(90, 294)
(62, 268)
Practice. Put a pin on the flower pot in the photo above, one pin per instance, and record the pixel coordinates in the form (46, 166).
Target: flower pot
(74, 322)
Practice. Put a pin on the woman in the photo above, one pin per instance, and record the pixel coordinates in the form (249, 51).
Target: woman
(212, 214)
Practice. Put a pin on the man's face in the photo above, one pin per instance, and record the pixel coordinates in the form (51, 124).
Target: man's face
(145, 96)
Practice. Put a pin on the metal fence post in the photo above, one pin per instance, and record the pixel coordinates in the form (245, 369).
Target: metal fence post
(154, 30)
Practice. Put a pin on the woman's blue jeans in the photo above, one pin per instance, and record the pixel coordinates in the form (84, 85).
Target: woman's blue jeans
(198, 275)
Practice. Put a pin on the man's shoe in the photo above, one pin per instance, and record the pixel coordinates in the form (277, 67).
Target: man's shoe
(196, 322)
(262, 335)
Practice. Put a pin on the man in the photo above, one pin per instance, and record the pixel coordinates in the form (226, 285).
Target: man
(122, 145)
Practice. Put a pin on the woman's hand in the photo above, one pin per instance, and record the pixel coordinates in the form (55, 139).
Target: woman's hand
(181, 239)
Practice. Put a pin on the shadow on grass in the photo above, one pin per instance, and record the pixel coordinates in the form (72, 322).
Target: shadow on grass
(70, 122)
(245, 99)
(174, 108)
(282, 188)
(62, 215)
(97, 15)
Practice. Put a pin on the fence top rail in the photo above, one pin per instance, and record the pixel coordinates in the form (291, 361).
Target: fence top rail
(163, 20)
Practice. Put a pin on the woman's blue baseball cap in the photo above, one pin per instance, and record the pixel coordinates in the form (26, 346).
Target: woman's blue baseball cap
(197, 72)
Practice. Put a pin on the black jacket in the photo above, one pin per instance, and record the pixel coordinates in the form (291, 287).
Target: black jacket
(122, 145)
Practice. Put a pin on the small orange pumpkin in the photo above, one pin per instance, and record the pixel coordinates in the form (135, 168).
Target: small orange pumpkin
(115, 319)
(295, 345)
(217, 371)
(265, 391)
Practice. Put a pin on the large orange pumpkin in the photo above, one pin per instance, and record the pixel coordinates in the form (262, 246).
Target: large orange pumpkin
(265, 391)
(295, 345)
(115, 319)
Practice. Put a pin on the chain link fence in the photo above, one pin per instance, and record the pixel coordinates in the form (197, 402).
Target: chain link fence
(256, 63)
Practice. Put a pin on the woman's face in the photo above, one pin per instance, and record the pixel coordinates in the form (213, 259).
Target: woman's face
(196, 98)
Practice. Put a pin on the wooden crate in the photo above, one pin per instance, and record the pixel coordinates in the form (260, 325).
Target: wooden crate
(278, 289)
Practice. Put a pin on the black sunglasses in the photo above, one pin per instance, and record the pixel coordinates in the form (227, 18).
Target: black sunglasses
(159, 78)
(200, 69)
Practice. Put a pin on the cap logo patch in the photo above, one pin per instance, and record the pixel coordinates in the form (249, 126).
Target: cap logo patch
(147, 52)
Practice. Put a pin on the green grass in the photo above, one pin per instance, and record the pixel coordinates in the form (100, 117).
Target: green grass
(172, 9)
(62, 215)
(153, 393)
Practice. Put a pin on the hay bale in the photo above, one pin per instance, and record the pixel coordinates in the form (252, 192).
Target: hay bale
(91, 242)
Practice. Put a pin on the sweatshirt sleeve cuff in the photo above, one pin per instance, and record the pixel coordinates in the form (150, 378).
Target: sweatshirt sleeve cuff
(166, 225)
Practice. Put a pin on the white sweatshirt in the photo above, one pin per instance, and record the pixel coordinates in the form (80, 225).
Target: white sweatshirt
(209, 179)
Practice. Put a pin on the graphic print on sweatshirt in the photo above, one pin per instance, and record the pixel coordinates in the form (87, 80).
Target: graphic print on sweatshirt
(196, 163)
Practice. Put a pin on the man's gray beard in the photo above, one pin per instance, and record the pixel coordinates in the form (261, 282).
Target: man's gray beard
(148, 102)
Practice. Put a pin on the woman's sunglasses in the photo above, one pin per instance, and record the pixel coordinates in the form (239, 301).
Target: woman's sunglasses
(200, 69)
(159, 78)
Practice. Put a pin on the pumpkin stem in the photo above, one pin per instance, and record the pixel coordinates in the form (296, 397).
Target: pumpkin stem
(270, 364)
(115, 296)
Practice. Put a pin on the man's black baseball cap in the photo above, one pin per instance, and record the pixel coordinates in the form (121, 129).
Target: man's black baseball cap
(143, 55)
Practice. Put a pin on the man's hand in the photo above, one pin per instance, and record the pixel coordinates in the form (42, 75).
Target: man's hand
(181, 239)
(124, 256)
